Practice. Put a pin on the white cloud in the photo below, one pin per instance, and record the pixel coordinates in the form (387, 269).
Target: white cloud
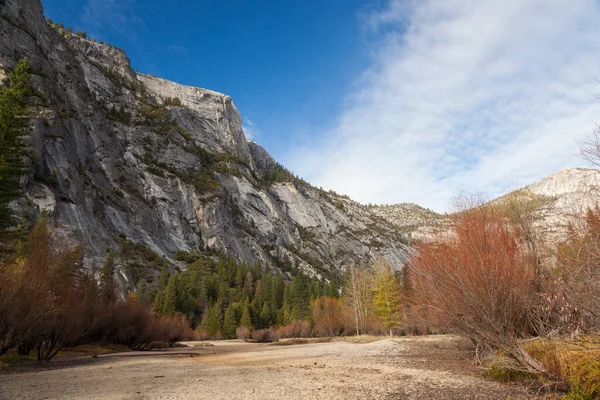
(250, 130)
(463, 95)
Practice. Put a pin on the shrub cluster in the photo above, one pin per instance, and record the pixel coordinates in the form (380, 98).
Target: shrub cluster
(48, 302)
(490, 283)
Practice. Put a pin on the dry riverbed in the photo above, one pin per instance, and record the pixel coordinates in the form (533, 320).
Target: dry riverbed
(434, 367)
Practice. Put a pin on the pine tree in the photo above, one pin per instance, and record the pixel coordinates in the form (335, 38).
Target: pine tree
(223, 294)
(222, 268)
(239, 278)
(144, 291)
(246, 320)
(12, 129)
(231, 270)
(170, 296)
(280, 317)
(331, 290)
(265, 315)
(249, 286)
(163, 278)
(159, 302)
(300, 297)
(315, 290)
(258, 293)
(267, 288)
(213, 320)
(278, 289)
(286, 307)
(229, 322)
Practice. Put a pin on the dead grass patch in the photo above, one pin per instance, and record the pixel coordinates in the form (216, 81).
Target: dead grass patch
(575, 363)
(293, 341)
(359, 339)
(90, 350)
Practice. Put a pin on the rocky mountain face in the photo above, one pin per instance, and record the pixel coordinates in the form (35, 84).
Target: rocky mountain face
(553, 204)
(117, 154)
(415, 221)
(561, 199)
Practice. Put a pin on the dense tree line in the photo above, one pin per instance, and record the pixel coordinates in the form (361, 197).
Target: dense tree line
(219, 295)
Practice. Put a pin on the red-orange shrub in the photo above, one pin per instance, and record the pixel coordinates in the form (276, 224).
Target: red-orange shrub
(296, 329)
(242, 333)
(330, 316)
(263, 335)
(477, 282)
(174, 328)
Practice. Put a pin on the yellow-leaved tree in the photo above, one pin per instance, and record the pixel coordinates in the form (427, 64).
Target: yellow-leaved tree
(387, 295)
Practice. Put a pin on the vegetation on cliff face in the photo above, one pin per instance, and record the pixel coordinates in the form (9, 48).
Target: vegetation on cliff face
(13, 122)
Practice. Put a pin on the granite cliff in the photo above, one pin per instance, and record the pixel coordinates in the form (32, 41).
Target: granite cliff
(120, 155)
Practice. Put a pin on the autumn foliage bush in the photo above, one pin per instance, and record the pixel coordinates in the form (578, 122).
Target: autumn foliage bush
(296, 329)
(242, 333)
(331, 317)
(487, 282)
(577, 293)
(48, 301)
(263, 335)
(477, 282)
(174, 328)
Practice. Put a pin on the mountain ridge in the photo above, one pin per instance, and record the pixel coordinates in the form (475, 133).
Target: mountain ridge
(553, 203)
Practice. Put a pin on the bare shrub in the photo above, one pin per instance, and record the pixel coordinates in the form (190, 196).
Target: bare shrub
(263, 335)
(47, 301)
(577, 277)
(296, 329)
(330, 316)
(283, 332)
(478, 283)
(173, 328)
(134, 325)
(200, 334)
(242, 333)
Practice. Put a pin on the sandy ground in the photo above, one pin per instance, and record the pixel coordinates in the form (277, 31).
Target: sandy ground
(407, 368)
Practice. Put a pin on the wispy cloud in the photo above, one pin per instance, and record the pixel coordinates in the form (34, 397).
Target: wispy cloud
(250, 129)
(118, 16)
(463, 95)
(178, 49)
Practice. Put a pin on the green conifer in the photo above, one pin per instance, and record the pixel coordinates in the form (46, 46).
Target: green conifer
(229, 322)
(246, 321)
(170, 296)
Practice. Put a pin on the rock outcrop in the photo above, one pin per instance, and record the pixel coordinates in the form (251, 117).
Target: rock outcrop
(563, 198)
(415, 221)
(120, 154)
(553, 204)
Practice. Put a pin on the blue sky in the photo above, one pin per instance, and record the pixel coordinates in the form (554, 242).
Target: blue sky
(285, 63)
(385, 100)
